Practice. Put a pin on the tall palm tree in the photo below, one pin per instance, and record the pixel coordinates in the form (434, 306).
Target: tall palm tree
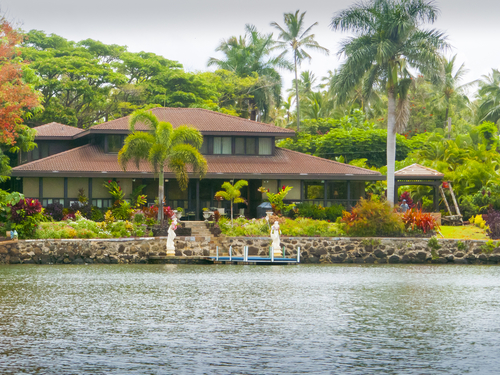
(250, 54)
(294, 38)
(489, 94)
(163, 147)
(388, 43)
(451, 88)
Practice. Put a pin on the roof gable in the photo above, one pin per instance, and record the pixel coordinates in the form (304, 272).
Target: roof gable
(56, 130)
(207, 122)
(418, 171)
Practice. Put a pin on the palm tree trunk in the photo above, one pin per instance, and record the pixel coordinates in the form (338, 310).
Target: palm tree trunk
(231, 212)
(161, 218)
(391, 145)
(297, 93)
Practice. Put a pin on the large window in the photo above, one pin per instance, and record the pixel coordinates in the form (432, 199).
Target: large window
(115, 143)
(204, 146)
(222, 146)
(265, 146)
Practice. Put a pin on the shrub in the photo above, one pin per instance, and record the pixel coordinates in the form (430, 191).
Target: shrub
(55, 211)
(25, 216)
(97, 214)
(433, 244)
(371, 218)
(493, 223)
(84, 208)
(319, 212)
(488, 247)
(416, 219)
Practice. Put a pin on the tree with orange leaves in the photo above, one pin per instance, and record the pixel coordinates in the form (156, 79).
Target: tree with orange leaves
(16, 95)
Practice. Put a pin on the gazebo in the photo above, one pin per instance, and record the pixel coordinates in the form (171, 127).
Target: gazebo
(417, 174)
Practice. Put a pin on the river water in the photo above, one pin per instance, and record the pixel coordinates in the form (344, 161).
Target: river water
(195, 319)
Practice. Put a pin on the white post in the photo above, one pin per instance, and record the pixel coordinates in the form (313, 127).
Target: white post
(217, 252)
(298, 255)
(272, 255)
(230, 253)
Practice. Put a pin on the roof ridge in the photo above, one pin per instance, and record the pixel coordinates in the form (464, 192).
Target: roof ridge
(224, 115)
(58, 123)
(34, 162)
(421, 166)
(328, 160)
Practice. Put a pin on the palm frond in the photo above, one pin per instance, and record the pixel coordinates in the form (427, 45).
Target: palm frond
(136, 147)
(146, 117)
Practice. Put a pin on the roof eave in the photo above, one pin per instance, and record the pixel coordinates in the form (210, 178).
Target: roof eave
(250, 176)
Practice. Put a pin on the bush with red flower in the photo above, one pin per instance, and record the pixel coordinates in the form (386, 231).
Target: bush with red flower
(416, 220)
(25, 216)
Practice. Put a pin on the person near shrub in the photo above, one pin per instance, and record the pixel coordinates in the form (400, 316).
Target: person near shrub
(404, 206)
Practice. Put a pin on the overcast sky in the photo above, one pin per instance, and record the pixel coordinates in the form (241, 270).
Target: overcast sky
(189, 31)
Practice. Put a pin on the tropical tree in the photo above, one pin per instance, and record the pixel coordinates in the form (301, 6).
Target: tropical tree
(489, 92)
(249, 56)
(295, 39)
(388, 45)
(163, 147)
(451, 88)
(232, 193)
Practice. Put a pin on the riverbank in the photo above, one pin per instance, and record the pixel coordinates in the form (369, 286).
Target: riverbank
(196, 249)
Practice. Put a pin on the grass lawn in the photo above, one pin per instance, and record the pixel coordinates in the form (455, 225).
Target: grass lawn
(467, 232)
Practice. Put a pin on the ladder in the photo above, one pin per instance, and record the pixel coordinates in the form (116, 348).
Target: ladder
(454, 219)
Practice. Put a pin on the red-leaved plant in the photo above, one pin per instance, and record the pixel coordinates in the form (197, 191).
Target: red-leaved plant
(416, 219)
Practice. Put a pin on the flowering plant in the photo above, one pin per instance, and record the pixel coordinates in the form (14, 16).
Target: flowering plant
(115, 191)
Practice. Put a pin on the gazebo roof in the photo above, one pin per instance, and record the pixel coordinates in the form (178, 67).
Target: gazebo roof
(418, 172)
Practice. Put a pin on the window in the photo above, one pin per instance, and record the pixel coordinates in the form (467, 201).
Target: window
(222, 145)
(101, 203)
(314, 190)
(115, 143)
(239, 146)
(36, 153)
(204, 146)
(250, 146)
(47, 201)
(265, 146)
(44, 149)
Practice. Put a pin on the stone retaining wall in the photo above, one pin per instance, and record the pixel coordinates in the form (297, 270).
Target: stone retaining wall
(313, 250)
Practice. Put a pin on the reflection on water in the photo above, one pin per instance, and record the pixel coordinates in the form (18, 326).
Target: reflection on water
(155, 319)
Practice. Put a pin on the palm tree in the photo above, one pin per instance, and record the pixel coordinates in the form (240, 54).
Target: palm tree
(388, 44)
(163, 147)
(232, 193)
(489, 92)
(294, 38)
(451, 89)
(249, 55)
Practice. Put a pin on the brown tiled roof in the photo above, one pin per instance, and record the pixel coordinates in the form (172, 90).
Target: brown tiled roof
(56, 130)
(90, 160)
(418, 171)
(204, 120)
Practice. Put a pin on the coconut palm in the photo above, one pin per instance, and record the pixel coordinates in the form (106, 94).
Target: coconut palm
(232, 193)
(249, 55)
(295, 39)
(388, 43)
(451, 88)
(163, 147)
(489, 92)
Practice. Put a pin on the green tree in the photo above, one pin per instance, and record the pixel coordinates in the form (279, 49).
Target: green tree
(232, 193)
(163, 146)
(388, 43)
(294, 38)
(489, 93)
(249, 56)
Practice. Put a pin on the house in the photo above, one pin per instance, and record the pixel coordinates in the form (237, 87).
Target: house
(68, 159)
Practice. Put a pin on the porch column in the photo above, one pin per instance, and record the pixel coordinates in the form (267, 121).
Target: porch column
(348, 195)
(90, 191)
(197, 213)
(40, 189)
(325, 196)
(66, 192)
(435, 189)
